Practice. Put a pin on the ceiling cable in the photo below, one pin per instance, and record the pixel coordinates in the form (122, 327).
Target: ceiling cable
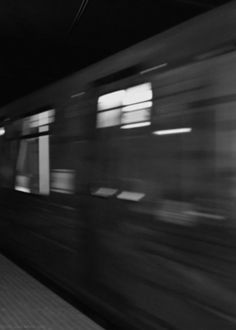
(78, 14)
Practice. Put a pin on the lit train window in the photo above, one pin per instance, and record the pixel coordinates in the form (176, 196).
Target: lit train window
(32, 170)
(111, 100)
(62, 181)
(127, 108)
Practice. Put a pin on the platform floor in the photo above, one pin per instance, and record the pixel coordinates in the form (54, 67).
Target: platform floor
(25, 303)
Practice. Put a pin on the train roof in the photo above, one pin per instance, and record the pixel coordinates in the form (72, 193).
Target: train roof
(202, 34)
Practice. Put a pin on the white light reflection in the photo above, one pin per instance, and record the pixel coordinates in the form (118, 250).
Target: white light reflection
(173, 131)
(137, 94)
(136, 125)
(111, 100)
(2, 131)
(22, 189)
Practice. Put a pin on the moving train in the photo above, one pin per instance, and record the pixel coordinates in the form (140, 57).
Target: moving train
(118, 183)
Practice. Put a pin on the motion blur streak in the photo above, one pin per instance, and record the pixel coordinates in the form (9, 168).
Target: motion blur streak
(136, 125)
(173, 131)
(139, 220)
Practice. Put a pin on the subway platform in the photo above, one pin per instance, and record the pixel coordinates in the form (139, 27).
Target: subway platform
(25, 303)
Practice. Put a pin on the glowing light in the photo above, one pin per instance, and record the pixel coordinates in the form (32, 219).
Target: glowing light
(173, 131)
(111, 100)
(136, 125)
(2, 131)
(138, 94)
(22, 189)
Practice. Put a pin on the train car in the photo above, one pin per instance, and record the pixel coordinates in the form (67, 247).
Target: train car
(119, 183)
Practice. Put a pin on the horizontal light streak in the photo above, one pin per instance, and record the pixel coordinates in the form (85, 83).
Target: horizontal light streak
(138, 106)
(154, 68)
(136, 125)
(205, 215)
(62, 191)
(173, 131)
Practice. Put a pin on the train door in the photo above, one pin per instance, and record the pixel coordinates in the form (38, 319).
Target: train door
(122, 107)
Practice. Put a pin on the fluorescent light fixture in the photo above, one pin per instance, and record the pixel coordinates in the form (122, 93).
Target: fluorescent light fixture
(2, 131)
(173, 131)
(154, 68)
(136, 125)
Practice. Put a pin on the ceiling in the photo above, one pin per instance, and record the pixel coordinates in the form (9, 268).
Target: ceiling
(45, 40)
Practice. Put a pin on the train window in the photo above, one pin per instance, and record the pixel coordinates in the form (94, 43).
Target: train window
(62, 181)
(111, 100)
(129, 108)
(32, 169)
(108, 118)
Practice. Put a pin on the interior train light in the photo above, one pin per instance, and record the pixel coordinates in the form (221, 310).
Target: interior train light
(2, 131)
(173, 131)
(136, 125)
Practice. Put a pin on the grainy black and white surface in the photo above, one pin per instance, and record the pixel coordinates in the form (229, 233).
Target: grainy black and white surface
(25, 303)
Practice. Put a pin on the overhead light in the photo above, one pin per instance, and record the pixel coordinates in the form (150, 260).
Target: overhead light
(2, 131)
(173, 131)
(136, 125)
